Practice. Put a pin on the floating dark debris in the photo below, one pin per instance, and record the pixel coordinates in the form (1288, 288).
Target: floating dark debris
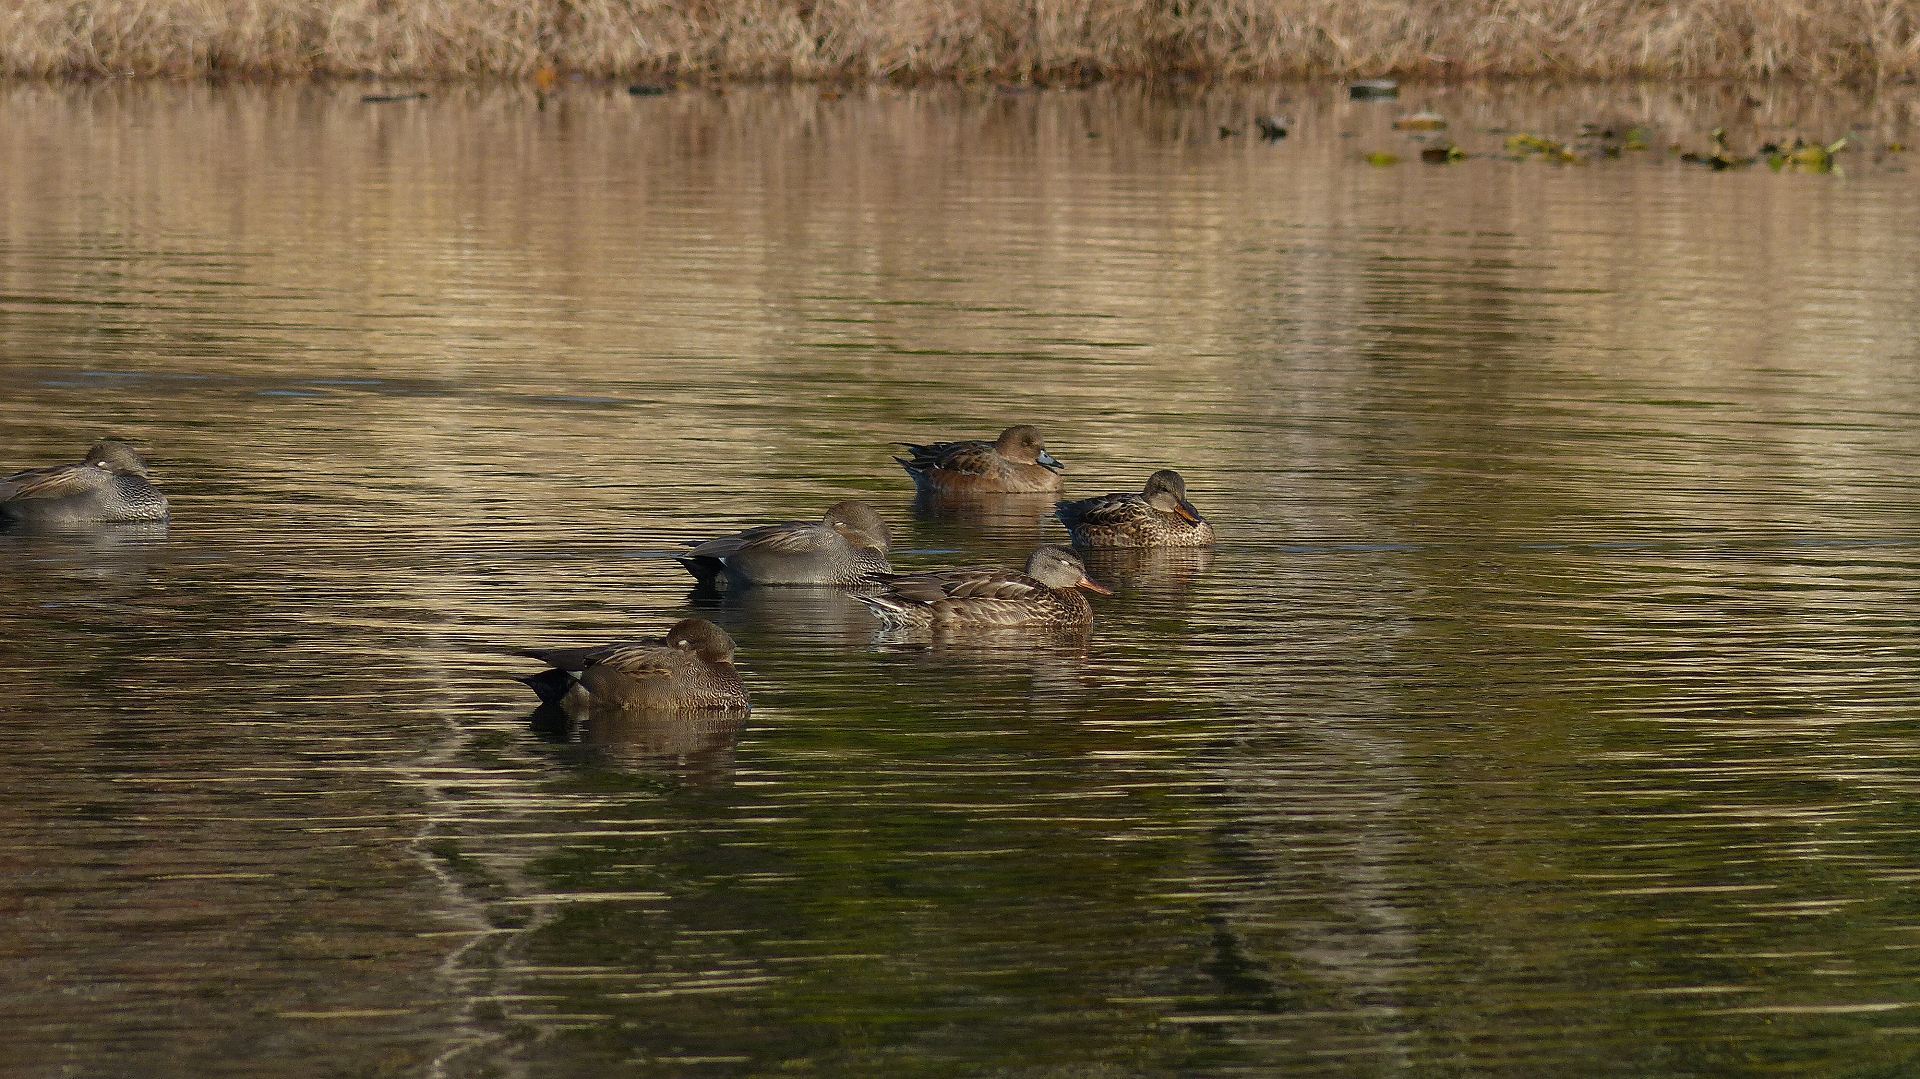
(1271, 128)
(383, 99)
(1373, 89)
(1421, 121)
(1719, 158)
(1442, 153)
(649, 89)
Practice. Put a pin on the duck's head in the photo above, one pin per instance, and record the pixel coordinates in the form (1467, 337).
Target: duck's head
(859, 525)
(1167, 492)
(116, 457)
(1022, 443)
(1057, 567)
(702, 638)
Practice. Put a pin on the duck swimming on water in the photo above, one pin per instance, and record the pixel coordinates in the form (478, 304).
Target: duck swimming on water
(1046, 595)
(109, 485)
(846, 546)
(689, 668)
(1015, 463)
(1159, 516)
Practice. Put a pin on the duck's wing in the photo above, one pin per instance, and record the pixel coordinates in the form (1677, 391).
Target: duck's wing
(57, 481)
(638, 660)
(1100, 510)
(578, 659)
(970, 458)
(966, 584)
(787, 538)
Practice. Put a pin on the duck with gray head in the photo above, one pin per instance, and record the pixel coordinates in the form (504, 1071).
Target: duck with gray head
(847, 546)
(1159, 516)
(1046, 595)
(1015, 463)
(109, 485)
(690, 668)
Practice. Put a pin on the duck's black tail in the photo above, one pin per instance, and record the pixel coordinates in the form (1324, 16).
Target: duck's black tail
(709, 571)
(549, 686)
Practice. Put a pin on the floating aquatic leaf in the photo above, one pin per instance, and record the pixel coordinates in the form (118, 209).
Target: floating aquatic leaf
(1380, 159)
(1896, 147)
(1526, 146)
(1804, 156)
(1638, 138)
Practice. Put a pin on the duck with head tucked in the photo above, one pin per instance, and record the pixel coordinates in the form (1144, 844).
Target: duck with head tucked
(109, 485)
(1159, 516)
(845, 547)
(1046, 595)
(1015, 463)
(690, 668)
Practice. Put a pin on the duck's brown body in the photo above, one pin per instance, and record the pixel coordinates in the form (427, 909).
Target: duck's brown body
(689, 669)
(1015, 463)
(1159, 516)
(109, 486)
(1046, 595)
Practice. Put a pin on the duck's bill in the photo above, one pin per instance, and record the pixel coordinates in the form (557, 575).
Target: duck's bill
(1049, 461)
(1094, 586)
(1185, 511)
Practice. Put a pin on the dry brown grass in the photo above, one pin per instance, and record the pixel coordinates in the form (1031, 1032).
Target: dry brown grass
(1041, 40)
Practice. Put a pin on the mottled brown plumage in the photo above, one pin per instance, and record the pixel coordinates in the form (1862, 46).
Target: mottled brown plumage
(1016, 462)
(1047, 594)
(1159, 516)
(689, 668)
(109, 485)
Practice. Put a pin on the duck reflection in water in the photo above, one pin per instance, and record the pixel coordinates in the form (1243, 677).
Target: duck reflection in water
(786, 614)
(1150, 570)
(51, 564)
(1040, 661)
(968, 517)
(696, 746)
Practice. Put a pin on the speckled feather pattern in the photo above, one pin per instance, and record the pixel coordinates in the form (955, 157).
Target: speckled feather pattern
(1128, 520)
(79, 494)
(976, 597)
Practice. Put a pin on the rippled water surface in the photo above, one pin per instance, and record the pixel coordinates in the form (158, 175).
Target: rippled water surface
(1549, 705)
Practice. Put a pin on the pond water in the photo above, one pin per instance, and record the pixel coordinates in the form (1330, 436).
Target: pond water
(1549, 703)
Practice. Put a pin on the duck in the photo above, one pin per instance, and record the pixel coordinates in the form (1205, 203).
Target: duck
(689, 668)
(109, 485)
(1048, 594)
(846, 546)
(1159, 516)
(1015, 463)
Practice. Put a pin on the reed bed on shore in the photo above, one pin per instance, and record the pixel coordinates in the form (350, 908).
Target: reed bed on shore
(910, 40)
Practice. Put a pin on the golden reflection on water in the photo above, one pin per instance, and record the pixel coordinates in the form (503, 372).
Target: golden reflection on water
(1553, 674)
